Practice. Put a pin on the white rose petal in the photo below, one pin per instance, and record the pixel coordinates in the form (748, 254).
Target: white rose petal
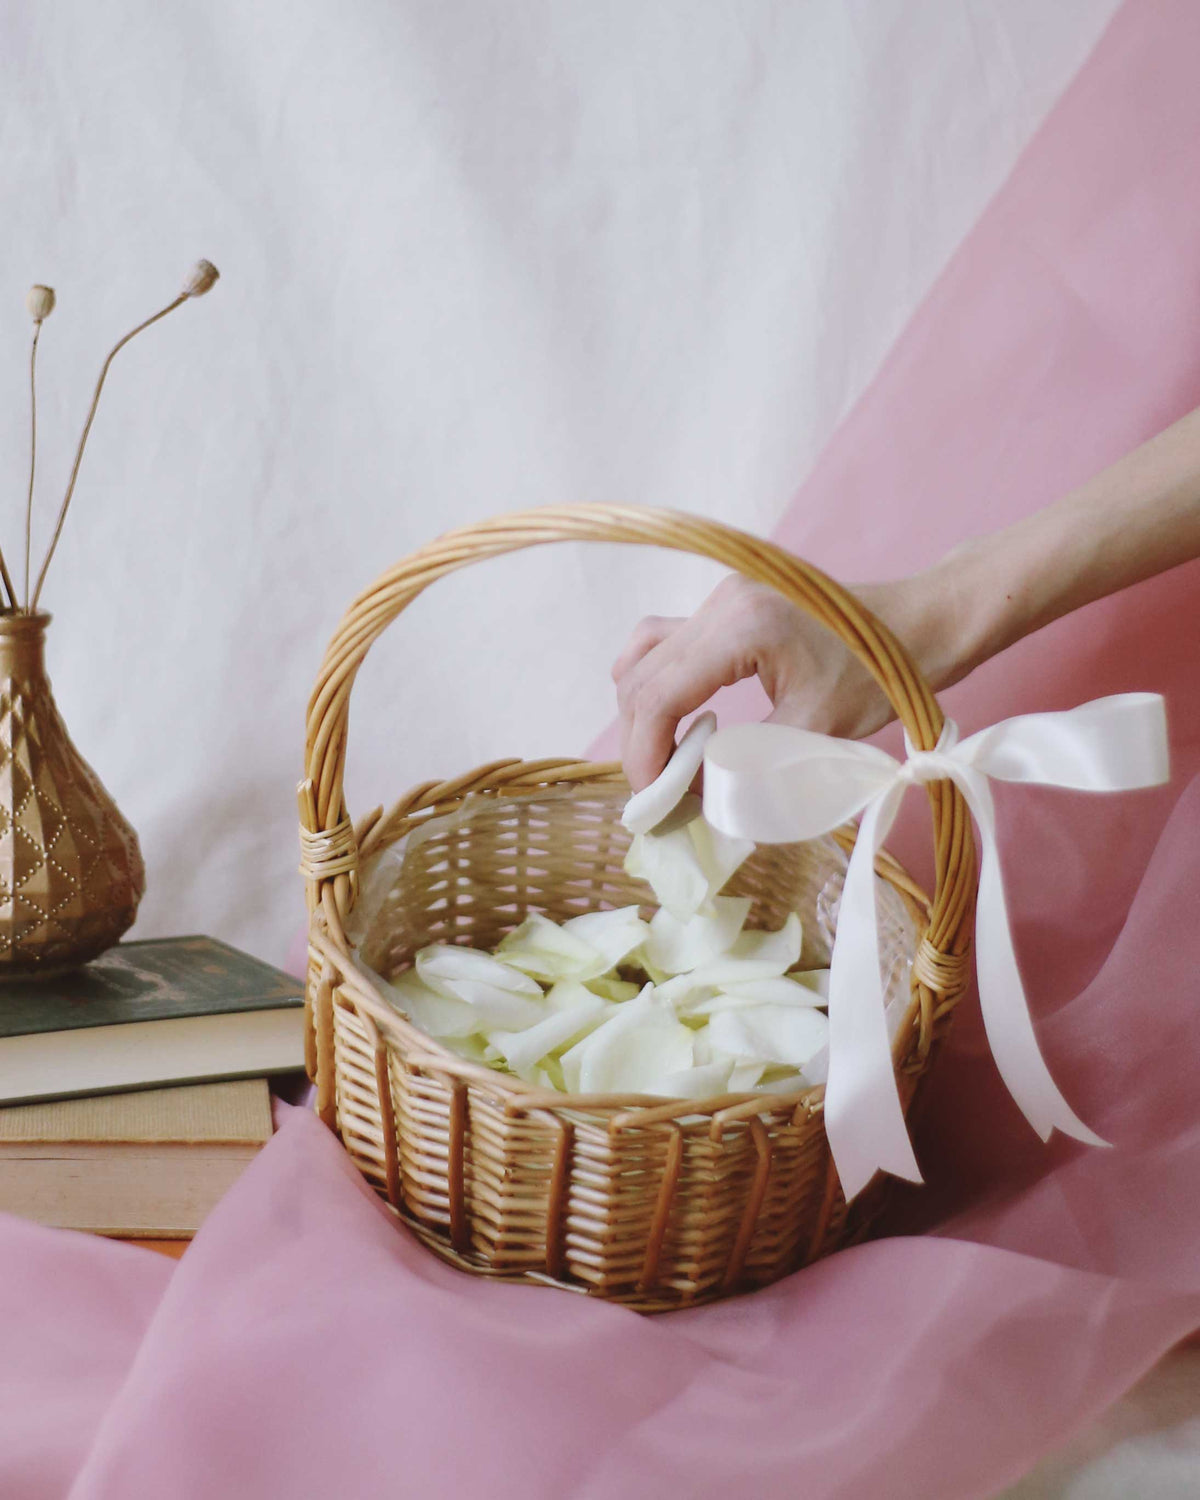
(675, 947)
(685, 864)
(613, 934)
(755, 955)
(702, 1052)
(701, 1081)
(639, 1045)
(550, 1076)
(523, 1049)
(470, 1047)
(778, 990)
(647, 809)
(780, 1034)
(436, 1015)
(442, 965)
(670, 866)
(743, 1072)
(744, 1075)
(543, 949)
(684, 994)
(686, 810)
(572, 994)
(497, 1007)
(720, 854)
(500, 995)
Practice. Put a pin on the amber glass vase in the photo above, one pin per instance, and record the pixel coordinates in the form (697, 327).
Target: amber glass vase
(71, 872)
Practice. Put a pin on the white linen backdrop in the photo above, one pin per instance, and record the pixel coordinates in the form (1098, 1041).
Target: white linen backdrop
(474, 257)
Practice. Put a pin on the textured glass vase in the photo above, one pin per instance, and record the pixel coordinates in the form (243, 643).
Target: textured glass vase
(71, 872)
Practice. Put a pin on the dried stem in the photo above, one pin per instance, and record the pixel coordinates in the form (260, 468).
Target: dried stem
(8, 583)
(37, 332)
(87, 427)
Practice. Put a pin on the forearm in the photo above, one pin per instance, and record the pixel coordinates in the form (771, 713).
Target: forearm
(1130, 522)
(1136, 519)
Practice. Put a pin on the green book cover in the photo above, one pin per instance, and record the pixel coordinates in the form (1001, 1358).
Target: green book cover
(159, 979)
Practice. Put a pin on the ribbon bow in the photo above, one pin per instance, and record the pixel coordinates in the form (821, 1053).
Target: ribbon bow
(775, 784)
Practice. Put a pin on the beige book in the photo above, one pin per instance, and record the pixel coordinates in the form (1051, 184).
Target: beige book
(147, 1164)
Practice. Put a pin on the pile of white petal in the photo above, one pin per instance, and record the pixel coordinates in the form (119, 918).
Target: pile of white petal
(688, 1005)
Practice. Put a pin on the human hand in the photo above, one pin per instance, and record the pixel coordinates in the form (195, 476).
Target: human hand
(670, 667)
(1133, 520)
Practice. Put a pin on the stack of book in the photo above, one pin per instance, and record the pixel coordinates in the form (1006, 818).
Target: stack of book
(134, 1092)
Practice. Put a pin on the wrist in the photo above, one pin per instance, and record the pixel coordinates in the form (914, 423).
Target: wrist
(994, 590)
(971, 612)
(945, 616)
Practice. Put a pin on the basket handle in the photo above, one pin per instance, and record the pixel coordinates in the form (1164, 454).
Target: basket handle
(327, 836)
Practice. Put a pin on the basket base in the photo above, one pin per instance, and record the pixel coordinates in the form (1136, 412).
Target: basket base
(641, 1302)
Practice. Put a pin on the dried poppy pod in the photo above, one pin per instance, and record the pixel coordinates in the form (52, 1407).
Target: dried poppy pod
(203, 278)
(40, 302)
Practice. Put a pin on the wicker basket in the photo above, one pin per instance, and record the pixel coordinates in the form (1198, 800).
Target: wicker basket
(652, 1203)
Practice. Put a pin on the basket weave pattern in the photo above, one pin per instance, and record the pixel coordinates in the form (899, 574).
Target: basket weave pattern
(651, 1202)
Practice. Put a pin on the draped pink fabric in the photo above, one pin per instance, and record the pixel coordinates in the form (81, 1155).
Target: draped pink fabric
(304, 1346)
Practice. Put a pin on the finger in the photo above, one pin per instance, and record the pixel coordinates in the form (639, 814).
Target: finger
(676, 678)
(647, 634)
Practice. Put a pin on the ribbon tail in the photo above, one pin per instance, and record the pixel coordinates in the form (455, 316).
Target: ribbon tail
(1006, 1017)
(864, 1120)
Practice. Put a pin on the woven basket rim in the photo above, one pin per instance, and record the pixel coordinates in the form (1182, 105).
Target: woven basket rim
(520, 1097)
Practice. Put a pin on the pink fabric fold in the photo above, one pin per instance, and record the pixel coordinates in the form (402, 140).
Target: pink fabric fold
(73, 1313)
(307, 1346)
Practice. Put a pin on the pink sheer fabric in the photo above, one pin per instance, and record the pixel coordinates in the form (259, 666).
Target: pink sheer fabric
(304, 1346)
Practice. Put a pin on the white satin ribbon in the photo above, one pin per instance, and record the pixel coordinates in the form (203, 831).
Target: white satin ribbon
(775, 784)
